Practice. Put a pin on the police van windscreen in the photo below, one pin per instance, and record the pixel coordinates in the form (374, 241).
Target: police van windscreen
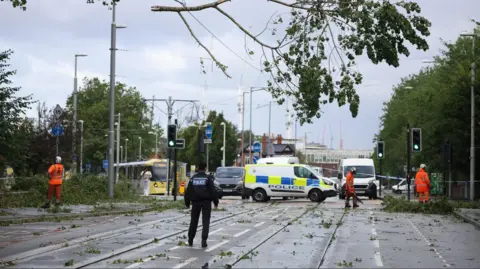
(362, 171)
(159, 173)
(231, 172)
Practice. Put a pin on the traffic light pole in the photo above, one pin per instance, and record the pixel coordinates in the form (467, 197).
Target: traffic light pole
(175, 171)
(380, 189)
(409, 152)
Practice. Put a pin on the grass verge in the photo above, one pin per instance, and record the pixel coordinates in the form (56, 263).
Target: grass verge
(440, 205)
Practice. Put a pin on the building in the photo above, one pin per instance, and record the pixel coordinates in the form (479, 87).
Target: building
(277, 148)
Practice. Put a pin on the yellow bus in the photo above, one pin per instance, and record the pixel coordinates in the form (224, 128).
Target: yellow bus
(159, 170)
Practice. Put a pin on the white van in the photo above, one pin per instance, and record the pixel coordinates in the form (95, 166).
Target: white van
(263, 181)
(279, 160)
(403, 187)
(365, 173)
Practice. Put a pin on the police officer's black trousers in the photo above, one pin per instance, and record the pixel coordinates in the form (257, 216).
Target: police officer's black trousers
(206, 208)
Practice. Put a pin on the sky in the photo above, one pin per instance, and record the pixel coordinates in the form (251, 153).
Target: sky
(158, 56)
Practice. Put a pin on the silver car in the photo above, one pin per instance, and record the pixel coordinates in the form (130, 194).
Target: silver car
(230, 180)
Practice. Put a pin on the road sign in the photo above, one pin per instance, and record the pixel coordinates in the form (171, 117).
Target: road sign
(207, 141)
(57, 130)
(105, 164)
(58, 111)
(257, 147)
(255, 159)
(208, 131)
(180, 143)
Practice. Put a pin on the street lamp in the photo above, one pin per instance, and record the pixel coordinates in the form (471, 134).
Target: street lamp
(126, 148)
(243, 128)
(156, 142)
(269, 125)
(113, 49)
(121, 150)
(75, 97)
(81, 145)
(224, 138)
(250, 140)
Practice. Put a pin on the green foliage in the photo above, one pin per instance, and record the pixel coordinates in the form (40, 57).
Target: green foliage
(15, 130)
(440, 206)
(93, 108)
(437, 99)
(190, 134)
(301, 157)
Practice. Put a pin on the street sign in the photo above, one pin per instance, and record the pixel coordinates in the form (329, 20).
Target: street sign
(58, 111)
(257, 147)
(207, 141)
(105, 164)
(57, 130)
(208, 131)
(180, 143)
(255, 159)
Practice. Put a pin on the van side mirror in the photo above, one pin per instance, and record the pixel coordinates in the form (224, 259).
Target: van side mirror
(339, 176)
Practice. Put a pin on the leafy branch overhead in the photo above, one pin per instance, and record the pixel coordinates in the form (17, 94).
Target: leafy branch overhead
(313, 61)
(300, 64)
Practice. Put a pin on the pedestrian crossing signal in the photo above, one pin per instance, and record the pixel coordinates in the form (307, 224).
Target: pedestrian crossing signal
(380, 150)
(172, 135)
(416, 139)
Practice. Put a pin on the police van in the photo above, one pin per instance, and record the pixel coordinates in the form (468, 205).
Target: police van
(263, 181)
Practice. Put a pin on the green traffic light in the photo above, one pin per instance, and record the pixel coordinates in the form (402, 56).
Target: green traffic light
(380, 155)
(171, 144)
(415, 147)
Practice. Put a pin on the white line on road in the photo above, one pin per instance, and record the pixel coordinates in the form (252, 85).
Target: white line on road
(378, 259)
(217, 245)
(374, 231)
(214, 232)
(184, 263)
(259, 224)
(241, 233)
(175, 247)
(231, 224)
(376, 243)
(274, 217)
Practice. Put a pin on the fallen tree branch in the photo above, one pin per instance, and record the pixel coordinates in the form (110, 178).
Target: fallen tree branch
(220, 65)
(185, 8)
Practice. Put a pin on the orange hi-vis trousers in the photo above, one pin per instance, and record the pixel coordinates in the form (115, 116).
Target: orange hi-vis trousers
(423, 197)
(54, 188)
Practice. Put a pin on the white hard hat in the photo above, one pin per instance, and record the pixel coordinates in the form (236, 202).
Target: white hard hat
(353, 169)
(58, 159)
(423, 166)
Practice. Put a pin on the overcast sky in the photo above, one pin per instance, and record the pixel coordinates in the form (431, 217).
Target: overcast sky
(159, 57)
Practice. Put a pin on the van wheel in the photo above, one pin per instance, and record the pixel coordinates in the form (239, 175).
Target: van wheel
(259, 195)
(316, 196)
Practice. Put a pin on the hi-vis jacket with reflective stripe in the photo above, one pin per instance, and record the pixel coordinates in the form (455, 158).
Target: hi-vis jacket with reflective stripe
(283, 179)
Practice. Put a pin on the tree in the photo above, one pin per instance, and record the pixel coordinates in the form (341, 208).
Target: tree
(93, 108)
(296, 61)
(190, 154)
(437, 99)
(300, 156)
(15, 130)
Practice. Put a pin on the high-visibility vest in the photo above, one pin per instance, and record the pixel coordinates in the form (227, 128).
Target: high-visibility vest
(56, 174)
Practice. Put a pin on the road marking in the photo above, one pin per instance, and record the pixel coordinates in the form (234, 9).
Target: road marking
(374, 231)
(214, 232)
(259, 224)
(274, 217)
(241, 233)
(231, 224)
(138, 263)
(378, 259)
(175, 247)
(376, 243)
(184, 263)
(428, 242)
(217, 245)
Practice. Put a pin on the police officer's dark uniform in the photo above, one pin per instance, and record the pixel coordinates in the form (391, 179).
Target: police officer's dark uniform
(201, 192)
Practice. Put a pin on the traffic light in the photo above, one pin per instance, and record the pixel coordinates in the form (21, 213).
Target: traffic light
(172, 135)
(380, 150)
(416, 139)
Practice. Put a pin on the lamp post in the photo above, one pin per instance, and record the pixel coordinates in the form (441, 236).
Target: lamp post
(472, 118)
(118, 147)
(156, 142)
(75, 100)
(224, 138)
(269, 125)
(126, 147)
(81, 145)
(121, 150)
(250, 140)
(243, 129)
(111, 118)
(140, 149)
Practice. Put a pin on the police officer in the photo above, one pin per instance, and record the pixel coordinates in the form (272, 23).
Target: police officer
(201, 192)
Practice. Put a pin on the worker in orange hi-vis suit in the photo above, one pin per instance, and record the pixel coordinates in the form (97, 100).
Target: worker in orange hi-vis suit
(423, 184)
(350, 189)
(55, 172)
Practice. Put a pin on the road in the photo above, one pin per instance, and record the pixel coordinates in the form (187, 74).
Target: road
(277, 234)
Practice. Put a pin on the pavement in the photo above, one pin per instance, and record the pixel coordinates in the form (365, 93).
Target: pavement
(244, 234)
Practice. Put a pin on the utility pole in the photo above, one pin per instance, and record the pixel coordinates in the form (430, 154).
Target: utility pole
(409, 152)
(175, 150)
(250, 157)
(118, 148)
(269, 128)
(140, 149)
(81, 146)
(75, 101)
(170, 102)
(243, 128)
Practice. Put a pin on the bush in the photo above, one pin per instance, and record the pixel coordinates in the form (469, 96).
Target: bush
(434, 206)
(80, 189)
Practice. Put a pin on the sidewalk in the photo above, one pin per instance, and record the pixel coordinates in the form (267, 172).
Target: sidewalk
(471, 216)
